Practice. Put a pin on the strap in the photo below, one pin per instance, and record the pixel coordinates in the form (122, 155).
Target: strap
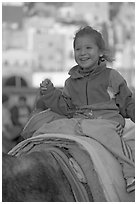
(78, 189)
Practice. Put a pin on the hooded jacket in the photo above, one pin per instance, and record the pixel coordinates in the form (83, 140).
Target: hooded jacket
(102, 93)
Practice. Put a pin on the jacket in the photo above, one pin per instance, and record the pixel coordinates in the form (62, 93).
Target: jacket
(102, 93)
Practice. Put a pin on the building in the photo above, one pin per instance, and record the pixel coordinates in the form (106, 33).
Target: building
(92, 12)
(50, 49)
(13, 15)
(41, 43)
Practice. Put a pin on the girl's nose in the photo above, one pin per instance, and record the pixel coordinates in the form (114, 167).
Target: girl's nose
(83, 51)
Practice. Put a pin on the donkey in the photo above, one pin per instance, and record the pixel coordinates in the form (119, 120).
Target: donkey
(33, 177)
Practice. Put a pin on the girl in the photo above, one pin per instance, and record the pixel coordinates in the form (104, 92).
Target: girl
(96, 93)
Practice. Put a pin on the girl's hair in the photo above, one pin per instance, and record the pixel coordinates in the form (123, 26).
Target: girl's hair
(106, 54)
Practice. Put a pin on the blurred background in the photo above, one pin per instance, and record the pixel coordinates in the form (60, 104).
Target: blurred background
(37, 40)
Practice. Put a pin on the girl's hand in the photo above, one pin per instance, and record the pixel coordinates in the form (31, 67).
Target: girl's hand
(45, 85)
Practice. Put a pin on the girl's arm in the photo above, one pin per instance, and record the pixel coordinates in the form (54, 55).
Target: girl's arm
(55, 99)
(126, 102)
(123, 97)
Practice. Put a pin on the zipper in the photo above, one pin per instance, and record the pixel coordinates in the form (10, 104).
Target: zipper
(87, 92)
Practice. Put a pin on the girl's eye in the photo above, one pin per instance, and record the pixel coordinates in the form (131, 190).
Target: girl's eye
(77, 49)
(89, 48)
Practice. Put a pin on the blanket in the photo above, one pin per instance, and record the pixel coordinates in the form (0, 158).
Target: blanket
(99, 130)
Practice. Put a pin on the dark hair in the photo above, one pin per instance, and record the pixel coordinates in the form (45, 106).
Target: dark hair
(106, 54)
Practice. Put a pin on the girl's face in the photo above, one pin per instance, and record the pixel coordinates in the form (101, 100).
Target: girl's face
(86, 52)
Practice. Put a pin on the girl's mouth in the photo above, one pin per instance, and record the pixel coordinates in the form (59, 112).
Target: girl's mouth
(84, 59)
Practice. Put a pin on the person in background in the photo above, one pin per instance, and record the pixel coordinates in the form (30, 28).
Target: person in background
(95, 92)
(20, 112)
(9, 131)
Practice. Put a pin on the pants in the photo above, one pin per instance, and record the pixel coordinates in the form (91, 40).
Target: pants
(106, 132)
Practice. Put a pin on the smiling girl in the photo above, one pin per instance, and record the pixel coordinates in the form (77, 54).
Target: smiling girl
(95, 93)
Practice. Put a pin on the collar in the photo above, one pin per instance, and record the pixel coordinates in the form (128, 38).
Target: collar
(76, 71)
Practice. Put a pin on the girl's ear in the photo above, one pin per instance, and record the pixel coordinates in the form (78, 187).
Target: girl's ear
(100, 53)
